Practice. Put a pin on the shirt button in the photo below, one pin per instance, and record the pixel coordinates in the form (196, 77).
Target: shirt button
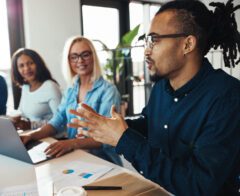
(165, 126)
(141, 172)
(176, 99)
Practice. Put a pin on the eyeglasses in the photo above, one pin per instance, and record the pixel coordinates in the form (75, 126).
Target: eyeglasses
(152, 39)
(73, 58)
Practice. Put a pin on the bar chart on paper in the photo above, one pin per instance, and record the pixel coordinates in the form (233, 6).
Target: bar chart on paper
(78, 173)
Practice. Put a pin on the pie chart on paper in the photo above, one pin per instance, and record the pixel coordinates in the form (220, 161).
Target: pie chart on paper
(67, 171)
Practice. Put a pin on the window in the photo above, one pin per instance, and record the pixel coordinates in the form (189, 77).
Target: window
(136, 14)
(5, 60)
(140, 14)
(153, 10)
(104, 27)
(4, 38)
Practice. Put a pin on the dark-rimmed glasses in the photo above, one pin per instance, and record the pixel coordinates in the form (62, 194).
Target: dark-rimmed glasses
(152, 39)
(73, 58)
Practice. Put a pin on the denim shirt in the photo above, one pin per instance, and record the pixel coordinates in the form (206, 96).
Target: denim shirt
(101, 97)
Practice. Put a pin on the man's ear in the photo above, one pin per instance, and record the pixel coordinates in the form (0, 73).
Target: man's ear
(190, 43)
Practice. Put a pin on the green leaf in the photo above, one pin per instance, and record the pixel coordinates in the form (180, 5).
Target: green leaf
(119, 54)
(129, 36)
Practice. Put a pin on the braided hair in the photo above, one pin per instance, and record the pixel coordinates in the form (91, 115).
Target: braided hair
(212, 29)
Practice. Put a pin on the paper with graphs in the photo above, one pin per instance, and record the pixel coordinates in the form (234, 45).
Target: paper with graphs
(78, 173)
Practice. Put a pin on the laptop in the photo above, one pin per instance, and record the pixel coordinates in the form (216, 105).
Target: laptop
(11, 145)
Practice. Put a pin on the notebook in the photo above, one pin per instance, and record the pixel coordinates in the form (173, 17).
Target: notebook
(11, 145)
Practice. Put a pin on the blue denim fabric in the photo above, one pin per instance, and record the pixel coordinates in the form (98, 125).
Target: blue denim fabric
(101, 97)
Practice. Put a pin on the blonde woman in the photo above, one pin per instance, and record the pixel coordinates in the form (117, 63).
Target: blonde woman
(81, 67)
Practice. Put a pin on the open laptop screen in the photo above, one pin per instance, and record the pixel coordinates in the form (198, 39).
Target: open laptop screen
(12, 146)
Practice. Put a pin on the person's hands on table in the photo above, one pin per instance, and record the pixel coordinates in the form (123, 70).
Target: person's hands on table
(25, 137)
(21, 123)
(60, 148)
(100, 128)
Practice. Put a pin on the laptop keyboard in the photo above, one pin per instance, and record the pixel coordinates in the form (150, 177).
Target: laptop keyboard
(32, 144)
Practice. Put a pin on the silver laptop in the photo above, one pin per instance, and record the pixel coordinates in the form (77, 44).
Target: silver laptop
(11, 145)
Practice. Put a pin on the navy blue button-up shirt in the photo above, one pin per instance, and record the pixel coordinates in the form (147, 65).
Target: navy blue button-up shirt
(4, 96)
(188, 140)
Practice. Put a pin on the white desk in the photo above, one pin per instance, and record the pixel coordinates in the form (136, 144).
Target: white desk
(14, 172)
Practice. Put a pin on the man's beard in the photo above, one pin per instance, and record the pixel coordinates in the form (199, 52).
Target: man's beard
(155, 78)
(153, 75)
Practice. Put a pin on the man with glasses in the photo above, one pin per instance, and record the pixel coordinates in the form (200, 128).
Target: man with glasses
(188, 137)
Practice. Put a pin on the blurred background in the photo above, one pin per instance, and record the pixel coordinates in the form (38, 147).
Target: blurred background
(45, 25)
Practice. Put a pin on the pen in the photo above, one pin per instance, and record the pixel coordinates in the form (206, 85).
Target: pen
(102, 187)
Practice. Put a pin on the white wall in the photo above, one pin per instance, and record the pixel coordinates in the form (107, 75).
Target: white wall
(47, 25)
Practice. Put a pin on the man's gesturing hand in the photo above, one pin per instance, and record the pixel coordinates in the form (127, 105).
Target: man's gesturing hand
(100, 128)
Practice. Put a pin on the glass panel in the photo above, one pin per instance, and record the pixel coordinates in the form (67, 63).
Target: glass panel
(103, 25)
(4, 38)
(136, 14)
(153, 10)
(139, 81)
(136, 17)
(5, 60)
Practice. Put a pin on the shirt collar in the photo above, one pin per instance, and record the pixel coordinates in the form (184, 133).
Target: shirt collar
(205, 69)
(96, 83)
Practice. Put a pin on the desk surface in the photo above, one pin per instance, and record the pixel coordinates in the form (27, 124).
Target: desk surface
(14, 172)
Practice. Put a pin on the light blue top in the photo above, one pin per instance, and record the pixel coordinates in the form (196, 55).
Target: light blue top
(101, 97)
